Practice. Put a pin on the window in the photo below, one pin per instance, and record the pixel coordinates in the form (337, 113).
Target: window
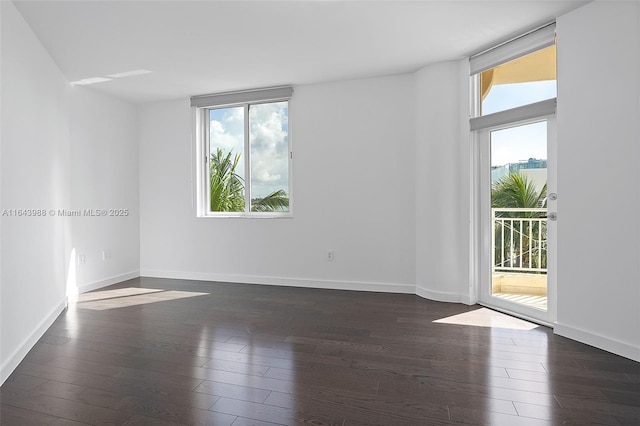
(515, 76)
(244, 153)
(523, 81)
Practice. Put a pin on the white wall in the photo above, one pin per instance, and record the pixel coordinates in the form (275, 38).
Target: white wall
(104, 175)
(62, 148)
(35, 175)
(442, 183)
(598, 129)
(353, 192)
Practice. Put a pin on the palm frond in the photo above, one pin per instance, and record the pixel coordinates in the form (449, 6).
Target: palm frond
(516, 190)
(276, 201)
(225, 185)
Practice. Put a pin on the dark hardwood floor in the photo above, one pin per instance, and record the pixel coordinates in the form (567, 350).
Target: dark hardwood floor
(160, 352)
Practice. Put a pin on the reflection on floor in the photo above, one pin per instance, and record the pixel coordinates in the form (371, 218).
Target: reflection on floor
(538, 302)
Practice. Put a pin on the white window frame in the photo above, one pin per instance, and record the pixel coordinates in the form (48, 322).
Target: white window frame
(201, 107)
(483, 231)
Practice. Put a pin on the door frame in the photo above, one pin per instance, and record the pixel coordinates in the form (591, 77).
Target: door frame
(481, 215)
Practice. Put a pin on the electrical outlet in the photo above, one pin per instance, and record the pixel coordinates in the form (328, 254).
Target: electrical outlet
(81, 259)
(330, 255)
(106, 255)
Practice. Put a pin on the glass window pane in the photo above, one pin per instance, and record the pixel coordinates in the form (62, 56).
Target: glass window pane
(226, 171)
(269, 155)
(526, 80)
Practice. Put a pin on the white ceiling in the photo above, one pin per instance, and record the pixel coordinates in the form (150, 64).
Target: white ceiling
(198, 47)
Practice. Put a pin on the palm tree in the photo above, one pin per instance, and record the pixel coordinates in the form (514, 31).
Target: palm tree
(227, 188)
(517, 191)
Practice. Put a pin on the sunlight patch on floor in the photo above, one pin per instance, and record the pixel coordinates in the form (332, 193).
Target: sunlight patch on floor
(125, 297)
(484, 317)
(112, 294)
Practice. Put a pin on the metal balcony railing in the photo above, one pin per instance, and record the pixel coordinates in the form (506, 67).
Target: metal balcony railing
(519, 240)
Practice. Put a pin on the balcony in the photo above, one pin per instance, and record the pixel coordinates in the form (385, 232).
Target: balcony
(519, 257)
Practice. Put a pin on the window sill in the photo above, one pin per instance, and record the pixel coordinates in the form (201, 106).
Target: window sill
(246, 216)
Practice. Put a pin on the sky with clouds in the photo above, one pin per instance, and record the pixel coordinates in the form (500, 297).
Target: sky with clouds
(268, 139)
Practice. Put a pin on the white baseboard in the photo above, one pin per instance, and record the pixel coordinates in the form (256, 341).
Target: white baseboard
(601, 342)
(108, 281)
(23, 349)
(18, 355)
(288, 282)
(441, 296)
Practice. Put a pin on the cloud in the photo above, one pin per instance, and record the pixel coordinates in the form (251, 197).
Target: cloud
(269, 143)
(226, 131)
(268, 136)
